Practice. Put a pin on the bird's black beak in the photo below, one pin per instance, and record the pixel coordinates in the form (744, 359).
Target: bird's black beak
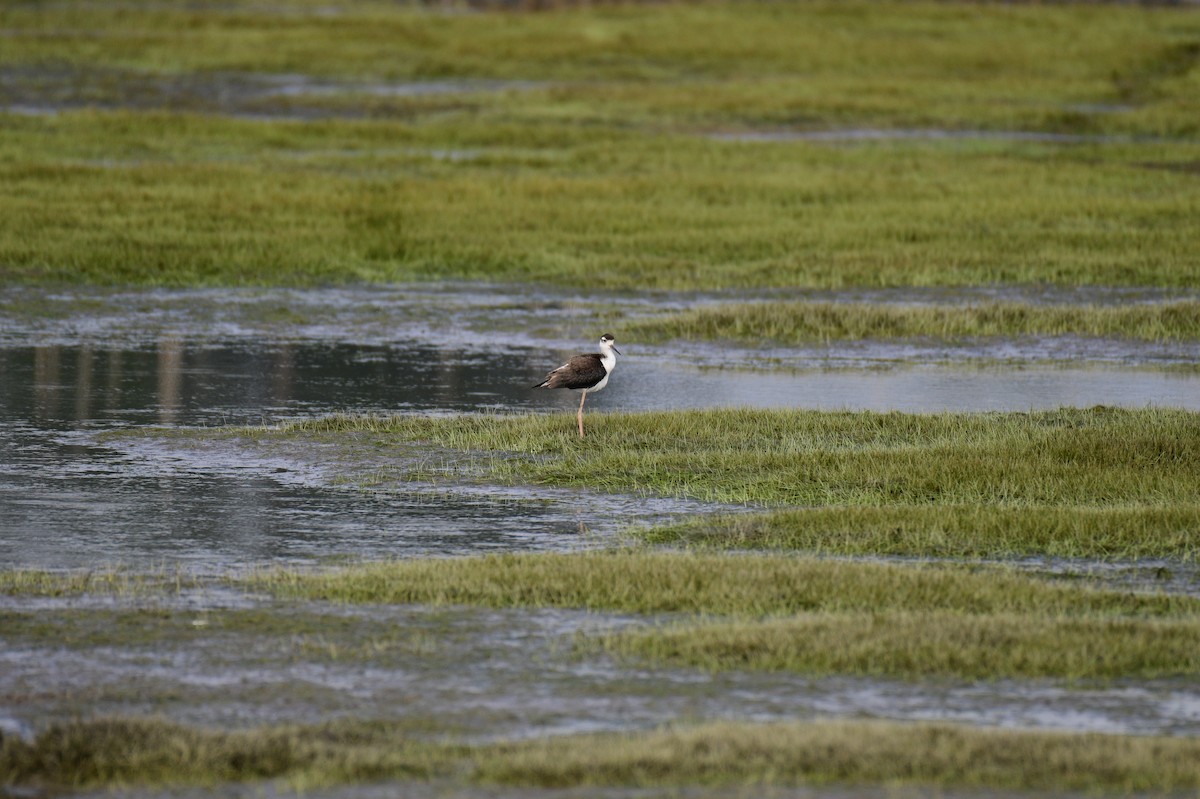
(617, 351)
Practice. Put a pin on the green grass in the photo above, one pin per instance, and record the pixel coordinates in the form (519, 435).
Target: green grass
(119, 752)
(814, 617)
(108, 580)
(603, 174)
(806, 615)
(926, 645)
(154, 199)
(798, 321)
(640, 581)
(1098, 483)
(922, 63)
(952, 531)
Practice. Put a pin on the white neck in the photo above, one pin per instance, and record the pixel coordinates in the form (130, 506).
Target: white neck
(607, 357)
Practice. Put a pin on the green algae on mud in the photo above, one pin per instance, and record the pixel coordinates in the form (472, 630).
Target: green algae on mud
(127, 751)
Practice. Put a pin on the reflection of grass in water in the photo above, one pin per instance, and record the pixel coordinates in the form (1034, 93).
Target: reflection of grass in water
(123, 751)
(796, 322)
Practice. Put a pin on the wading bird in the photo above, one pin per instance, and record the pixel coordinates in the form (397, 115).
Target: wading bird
(588, 372)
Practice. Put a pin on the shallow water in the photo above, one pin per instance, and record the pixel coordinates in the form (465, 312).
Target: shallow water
(77, 363)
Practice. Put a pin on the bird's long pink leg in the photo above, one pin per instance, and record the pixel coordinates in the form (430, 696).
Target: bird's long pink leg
(579, 416)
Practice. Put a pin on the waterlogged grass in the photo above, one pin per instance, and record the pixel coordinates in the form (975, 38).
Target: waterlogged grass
(800, 322)
(1097, 483)
(119, 752)
(274, 634)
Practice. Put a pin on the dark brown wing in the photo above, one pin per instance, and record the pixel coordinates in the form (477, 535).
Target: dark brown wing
(582, 371)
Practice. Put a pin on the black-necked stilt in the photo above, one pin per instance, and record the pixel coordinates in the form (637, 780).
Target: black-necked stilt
(585, 373)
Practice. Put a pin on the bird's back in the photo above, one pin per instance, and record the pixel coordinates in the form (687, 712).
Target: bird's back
(582, 371)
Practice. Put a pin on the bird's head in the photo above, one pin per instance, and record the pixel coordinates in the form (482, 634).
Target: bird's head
(607, 342)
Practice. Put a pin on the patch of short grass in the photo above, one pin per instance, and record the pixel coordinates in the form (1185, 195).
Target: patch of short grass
(120, 752)
(799, 322)
(286, 634)
(111, 580)
(952, 531)
(875, 63)
(647, 581)
(810, 616)
(932, 644)
(1088, 483)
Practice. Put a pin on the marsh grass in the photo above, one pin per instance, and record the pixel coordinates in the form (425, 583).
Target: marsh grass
(956, 531)
(120, 752)
(166, 199)
(273, 633)
(602, 172)
(866, 62)
(1096, 483)
(798, 322)
(105, 581)
(647, 582)
(809, 616)
(926, 645)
